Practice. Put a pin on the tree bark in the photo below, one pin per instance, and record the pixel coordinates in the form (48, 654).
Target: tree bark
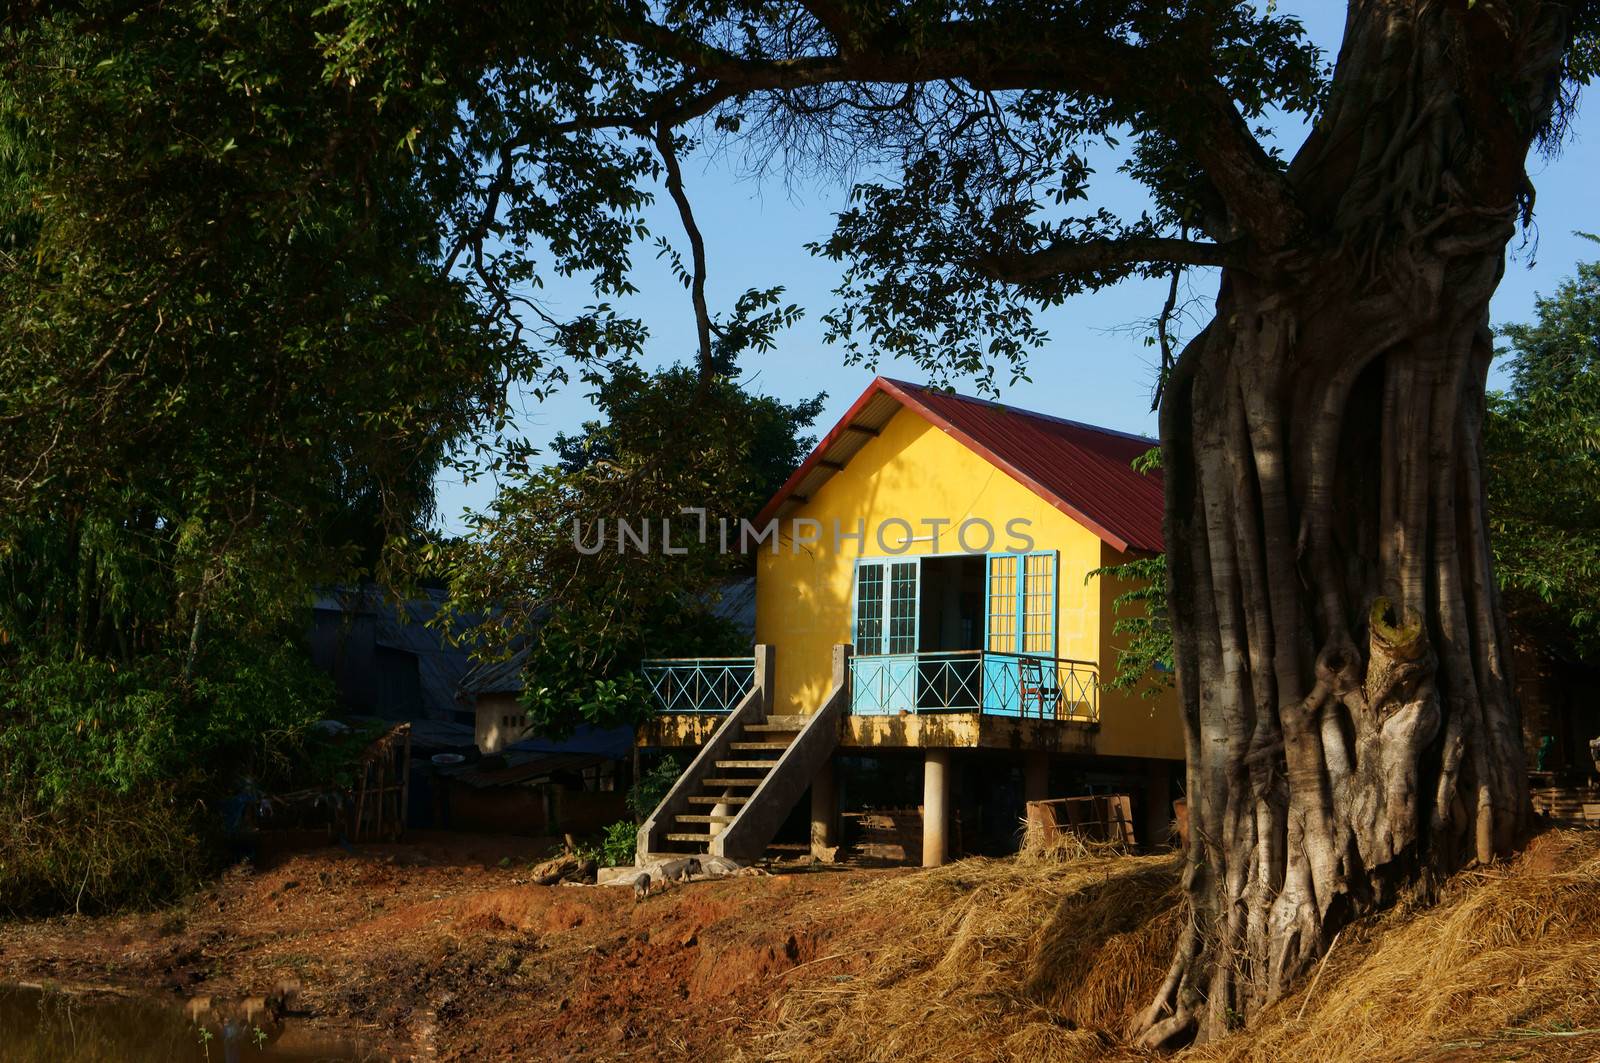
(1342, 660)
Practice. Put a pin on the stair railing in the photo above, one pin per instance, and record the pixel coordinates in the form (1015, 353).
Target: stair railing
(758, 821)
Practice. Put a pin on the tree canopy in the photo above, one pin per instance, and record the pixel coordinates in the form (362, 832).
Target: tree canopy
(232, 365)
(1543, 462)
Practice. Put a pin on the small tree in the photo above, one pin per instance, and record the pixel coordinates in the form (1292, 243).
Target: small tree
(549, 568)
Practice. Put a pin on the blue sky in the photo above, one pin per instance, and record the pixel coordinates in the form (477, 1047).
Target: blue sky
(1094, 368)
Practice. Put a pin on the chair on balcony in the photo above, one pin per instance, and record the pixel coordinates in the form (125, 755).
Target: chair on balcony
(1034, 689)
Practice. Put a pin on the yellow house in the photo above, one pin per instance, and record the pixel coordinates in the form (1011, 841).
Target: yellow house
(923, 579)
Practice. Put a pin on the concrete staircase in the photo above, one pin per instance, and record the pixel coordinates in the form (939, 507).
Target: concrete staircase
(723, 796)
(738, 791)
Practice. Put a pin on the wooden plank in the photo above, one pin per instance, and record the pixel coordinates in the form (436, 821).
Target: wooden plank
(405, 784)
(1106, 817)
(383, 764)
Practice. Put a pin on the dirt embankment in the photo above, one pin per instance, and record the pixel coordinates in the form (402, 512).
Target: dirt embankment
(441, 948)
(437, 951)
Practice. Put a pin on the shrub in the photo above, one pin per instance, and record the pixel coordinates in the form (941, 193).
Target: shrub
(94, 852)
(649, 789)
(111, 776)
(620, 843)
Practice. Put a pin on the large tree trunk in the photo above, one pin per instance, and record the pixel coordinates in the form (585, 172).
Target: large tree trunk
(1341, 656)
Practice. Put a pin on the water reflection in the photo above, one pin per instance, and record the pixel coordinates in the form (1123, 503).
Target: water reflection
(42, 1026)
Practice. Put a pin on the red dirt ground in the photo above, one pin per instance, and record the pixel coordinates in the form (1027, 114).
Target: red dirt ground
(437, 948)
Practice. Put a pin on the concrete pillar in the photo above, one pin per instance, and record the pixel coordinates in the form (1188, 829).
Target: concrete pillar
(935, 807)
(1157, 802)
(841, 663)
(1036, 775)
(765, 657)
(824, 810)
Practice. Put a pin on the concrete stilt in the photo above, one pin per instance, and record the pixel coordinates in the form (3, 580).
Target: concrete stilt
(824, 810)
(1157, 803)
(1036, 774)
(935, 807)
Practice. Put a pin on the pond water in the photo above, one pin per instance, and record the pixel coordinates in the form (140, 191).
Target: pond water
(39, 1025)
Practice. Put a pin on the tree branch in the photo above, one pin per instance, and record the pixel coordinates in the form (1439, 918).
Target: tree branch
(1076, 256)
(697, 246)
(1054, 55)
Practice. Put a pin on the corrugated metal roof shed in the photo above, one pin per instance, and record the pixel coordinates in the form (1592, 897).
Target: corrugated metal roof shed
(1082, 470)
(494, 677)
(534, 769)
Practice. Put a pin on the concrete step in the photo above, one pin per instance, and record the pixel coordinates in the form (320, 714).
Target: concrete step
(698, 839)
(748, 780)
(758, 765)
(782, 723)
(702, 800)
(703, 819)
(772, 728)
(758, 747)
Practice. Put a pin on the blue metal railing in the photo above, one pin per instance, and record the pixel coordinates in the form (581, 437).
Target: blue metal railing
(699, 684)
(997, 684)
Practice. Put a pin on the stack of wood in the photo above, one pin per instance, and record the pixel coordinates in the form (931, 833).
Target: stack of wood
(1101, 818)
(892, 835)
(1568, 806)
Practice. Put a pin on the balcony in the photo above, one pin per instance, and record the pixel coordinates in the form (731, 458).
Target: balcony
(975, 681)
(698, 684)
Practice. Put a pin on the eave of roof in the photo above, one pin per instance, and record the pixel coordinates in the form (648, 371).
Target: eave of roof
(885, 397)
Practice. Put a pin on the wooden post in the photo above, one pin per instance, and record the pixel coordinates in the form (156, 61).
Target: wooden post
(405, 786)
(1157, 804)
(383, 775)
(361, 806)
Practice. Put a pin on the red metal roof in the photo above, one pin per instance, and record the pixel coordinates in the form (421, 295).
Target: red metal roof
(1082, 470)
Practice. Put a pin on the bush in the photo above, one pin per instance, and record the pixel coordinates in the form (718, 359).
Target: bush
(111, 776)
(90, 726)
(620, 843)
(95, 852)
(650, 788)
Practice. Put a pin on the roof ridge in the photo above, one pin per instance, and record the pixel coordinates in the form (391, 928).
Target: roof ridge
(1009, 408)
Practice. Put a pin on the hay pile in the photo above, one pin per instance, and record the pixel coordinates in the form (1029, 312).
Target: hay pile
(1505, 966)
(1035, 958)
(1048, 956)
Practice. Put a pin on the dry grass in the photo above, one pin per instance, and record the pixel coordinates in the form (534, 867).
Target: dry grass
(1505, 966)
(1048, 956)
(1027, 958)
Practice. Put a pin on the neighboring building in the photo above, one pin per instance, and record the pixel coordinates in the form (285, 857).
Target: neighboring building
(514, 783)
(979, 655)
(491, 691)
(385, 659)
(541, 788)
